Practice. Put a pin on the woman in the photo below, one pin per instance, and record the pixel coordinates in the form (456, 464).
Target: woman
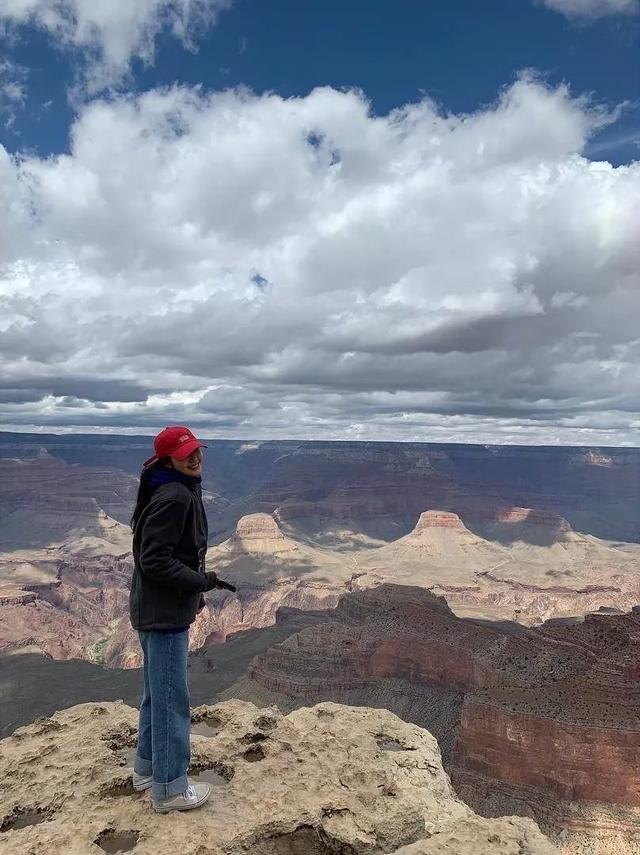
(170, 530)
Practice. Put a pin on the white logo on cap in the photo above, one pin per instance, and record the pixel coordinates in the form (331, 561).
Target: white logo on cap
(184, 437)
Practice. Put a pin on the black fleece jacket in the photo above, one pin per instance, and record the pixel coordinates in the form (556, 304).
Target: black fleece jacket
(169, 548)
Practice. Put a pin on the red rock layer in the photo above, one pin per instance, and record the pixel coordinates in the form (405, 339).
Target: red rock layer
(407, 632)
(550, 715)
(439, 519)
(530, 516)
(568, 761)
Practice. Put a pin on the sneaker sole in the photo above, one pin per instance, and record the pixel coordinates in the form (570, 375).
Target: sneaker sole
(142, 788)
(162, 809)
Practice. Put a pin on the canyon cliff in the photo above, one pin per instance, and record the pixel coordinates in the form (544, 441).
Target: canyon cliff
(542, 721)
(298, 524)
(534, 714)
(320, 780)
(596, 489)
(539, 569)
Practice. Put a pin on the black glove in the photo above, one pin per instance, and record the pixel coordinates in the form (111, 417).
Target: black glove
(214, 582)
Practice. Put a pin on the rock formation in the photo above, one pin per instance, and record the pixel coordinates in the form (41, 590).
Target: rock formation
(528, 516)
(534, 567)
(68, 599)
(258, 534)
(258, 552)
(596, 489)
(541, 720)
(340, 517)
(68, 558)
(321, 780)
(538, 720)
(71, 599)
(43, 499)
(572, 743)
(16, 597)
(81, 585)
(438, 519)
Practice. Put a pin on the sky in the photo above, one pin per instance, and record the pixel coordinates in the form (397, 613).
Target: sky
(265, 219)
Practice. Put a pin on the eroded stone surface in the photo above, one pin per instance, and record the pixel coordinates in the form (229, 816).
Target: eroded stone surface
(313, 782)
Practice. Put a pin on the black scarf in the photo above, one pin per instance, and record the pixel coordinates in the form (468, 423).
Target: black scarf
(161, 475)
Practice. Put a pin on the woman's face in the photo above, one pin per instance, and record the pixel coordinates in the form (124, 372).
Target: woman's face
(191, 465)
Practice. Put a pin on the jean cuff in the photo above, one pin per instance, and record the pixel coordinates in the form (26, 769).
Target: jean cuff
(170, 788)
(141, 766)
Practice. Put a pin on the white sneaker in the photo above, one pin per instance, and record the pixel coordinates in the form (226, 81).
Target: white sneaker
(141, 782)
(194, 796)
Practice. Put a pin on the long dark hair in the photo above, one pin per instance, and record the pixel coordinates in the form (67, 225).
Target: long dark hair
(145, 490)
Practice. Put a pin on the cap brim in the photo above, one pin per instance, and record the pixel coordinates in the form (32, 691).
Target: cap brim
(188, 448)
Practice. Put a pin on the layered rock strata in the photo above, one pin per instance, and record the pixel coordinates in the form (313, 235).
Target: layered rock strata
(43, 499)
(543, 720)
(81, 586)
(596, 489)
(71, 600)
(65, 568)
(82, 604)
(507, 563)
(573, 747)
(259, 533)
(321, 780)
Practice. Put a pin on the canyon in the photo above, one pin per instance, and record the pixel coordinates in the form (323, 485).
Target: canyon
(485, 594)
(540, 721)
(70, 598)
(383, 485)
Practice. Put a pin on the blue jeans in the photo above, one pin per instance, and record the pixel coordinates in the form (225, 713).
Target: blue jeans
(164, 725)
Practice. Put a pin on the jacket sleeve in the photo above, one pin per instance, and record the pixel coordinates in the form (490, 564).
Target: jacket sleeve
(160, 535)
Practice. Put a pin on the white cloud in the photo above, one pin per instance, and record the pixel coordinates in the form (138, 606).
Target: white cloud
(593, 8)
(112, 32)
(261, 266)
(13, 91)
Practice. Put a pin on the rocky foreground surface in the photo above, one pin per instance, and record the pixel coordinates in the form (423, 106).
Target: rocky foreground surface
(323, 779)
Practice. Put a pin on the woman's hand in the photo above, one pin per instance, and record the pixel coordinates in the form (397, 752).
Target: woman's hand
(214, 582)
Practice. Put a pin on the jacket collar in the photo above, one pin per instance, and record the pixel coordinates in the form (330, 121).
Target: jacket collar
(161, 475)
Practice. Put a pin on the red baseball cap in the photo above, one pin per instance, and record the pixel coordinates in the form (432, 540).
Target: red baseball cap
(174, 441)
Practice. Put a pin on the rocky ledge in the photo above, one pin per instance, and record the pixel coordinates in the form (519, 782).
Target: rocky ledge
(323, 779)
